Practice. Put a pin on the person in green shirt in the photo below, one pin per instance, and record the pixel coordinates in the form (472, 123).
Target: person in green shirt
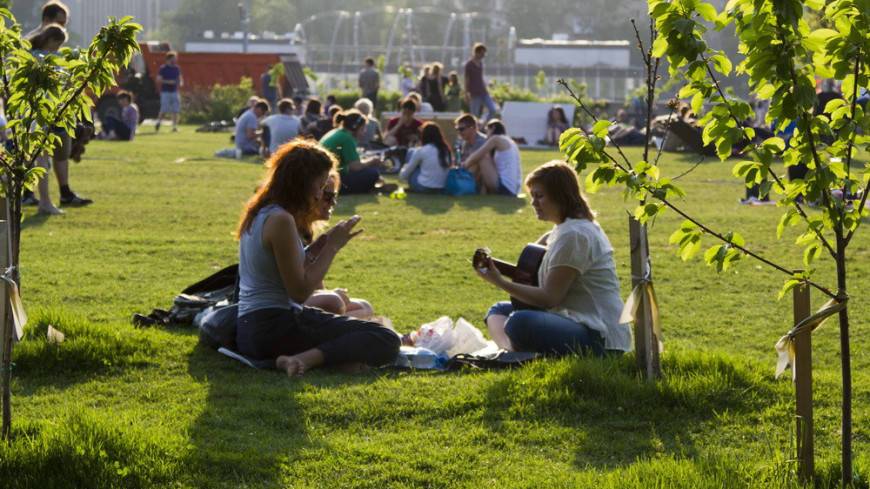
(358, 176)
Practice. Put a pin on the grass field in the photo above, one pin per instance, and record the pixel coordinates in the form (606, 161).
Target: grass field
(115, 406)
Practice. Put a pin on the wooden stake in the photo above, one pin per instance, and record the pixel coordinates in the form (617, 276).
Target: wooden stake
(803, 372)
(6, 326)
(646, 345)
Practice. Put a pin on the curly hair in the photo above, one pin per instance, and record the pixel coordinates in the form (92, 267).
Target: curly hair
(290, 173)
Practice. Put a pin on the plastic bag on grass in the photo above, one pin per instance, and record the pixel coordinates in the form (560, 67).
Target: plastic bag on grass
(445, 336)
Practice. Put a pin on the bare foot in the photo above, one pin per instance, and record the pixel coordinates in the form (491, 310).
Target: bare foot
(292, 365)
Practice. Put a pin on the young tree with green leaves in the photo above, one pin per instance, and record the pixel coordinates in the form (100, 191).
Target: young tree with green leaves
(42, 93)
(783, 56)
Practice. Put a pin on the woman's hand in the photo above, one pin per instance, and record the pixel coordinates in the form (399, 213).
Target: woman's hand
(490, 273)
(338, 236)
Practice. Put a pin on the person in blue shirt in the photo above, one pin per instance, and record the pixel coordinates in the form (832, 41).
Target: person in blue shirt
(170, 80)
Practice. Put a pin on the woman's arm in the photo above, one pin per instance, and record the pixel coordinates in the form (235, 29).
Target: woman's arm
(301, 278)
(488, 146)
(549, 295)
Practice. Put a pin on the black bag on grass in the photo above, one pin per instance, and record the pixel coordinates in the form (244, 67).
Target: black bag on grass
(217, 287)
(498, 360)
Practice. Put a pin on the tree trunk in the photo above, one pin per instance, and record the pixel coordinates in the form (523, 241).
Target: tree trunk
(845, 363)
(13, 216)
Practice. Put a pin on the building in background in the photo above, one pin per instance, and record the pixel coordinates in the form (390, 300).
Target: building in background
(88, 16)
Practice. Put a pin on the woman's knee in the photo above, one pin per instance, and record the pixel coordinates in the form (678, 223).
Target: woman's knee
(519, 326)
(329, 302)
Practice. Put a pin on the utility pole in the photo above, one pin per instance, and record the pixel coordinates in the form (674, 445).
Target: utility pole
(245, 15)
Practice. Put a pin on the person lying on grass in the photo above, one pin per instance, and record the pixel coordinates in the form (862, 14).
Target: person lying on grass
(578, 297)
(335, 301)
(275, 278)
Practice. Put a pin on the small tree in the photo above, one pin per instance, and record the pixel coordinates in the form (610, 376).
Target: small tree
(782, 57)
(42, 93)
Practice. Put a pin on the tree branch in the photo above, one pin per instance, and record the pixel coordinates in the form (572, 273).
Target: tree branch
(754, 149)
(627, 168)
(57, 118)
(592, 115)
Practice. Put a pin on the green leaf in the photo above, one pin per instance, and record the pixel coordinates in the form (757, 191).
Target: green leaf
(698, 102)
(707, 11)
(790, 218)
(774, 144)
(601, 128)
(660, 46)
(817, 39)
(721, 63)
(788, 286)
(811, 252)
(690, 247)
(834, 105)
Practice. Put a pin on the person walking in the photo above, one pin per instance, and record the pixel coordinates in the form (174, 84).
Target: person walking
(476, 94)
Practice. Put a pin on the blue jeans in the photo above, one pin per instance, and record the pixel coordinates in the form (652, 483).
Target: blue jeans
(477, 103)
(546, 332)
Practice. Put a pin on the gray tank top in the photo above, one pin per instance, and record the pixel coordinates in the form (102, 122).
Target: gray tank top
(260, 285)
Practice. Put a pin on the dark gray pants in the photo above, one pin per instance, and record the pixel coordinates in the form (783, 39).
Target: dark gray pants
(270, 333)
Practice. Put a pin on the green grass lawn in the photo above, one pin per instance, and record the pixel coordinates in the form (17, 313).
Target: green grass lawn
(115, 406)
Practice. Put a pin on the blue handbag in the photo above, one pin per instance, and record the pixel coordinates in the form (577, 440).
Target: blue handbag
(460, 182)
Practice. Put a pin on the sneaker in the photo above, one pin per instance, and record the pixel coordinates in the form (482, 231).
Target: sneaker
(386, 188)
(50, 211)
(749, 201)
(29, 199)
(75, 200)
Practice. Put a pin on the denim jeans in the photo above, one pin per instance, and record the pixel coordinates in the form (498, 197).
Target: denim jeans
(477, 103)
(546, 332)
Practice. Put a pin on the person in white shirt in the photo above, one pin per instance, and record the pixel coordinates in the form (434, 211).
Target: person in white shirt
(281, 127)
(578, 299)
(496, 164)
(426, 171)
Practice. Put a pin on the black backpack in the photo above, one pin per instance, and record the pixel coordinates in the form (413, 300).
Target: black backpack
(217, 287)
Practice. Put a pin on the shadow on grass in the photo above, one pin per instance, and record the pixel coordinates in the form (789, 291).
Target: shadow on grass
(87, 350)
(35, 219)
(252, 424)
(617, 416)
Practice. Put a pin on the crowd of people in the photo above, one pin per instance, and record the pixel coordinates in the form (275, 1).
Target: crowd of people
(421, 154)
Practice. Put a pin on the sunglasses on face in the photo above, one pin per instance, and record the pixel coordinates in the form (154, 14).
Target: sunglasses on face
(462, 128)
(330, 197)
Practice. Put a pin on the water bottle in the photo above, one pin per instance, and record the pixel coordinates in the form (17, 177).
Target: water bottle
(457, 151)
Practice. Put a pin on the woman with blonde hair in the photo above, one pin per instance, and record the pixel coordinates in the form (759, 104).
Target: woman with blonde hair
(578, 300)
(276, 277)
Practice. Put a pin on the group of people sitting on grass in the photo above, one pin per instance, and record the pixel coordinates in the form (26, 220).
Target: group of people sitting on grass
(359, 143)
(286, 315)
